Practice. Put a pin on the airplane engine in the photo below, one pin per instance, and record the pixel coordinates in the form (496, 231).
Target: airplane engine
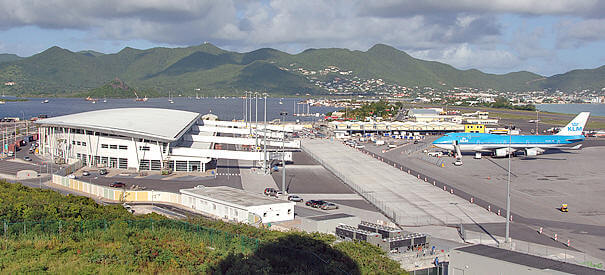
(533, 151)
(502, 152)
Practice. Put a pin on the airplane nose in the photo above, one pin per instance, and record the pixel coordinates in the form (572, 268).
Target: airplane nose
(439, 140)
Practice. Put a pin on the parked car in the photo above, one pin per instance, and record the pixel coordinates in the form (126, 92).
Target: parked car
(85, 173)
(317, 203)
(329, 206)
(117, 184)
(270, 192)
(310, 202)
(103, 172)
(27, 158)
(72, 176)
(435, 154)
(295, 198)
(359, 146)
(458, 163)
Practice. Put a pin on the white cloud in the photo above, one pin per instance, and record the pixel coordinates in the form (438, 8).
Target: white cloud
(535, 7)
(464, 33)
(574, 33)
(465, 56)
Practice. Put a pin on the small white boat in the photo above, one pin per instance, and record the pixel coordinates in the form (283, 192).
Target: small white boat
(45, 101)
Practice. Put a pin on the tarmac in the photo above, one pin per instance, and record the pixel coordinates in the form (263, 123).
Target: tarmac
(538, 187)
(404, 198)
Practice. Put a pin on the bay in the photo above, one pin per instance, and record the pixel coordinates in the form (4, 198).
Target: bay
(225, 108)
(594, 109)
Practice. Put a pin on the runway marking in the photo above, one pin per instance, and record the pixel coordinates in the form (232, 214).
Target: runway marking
(227, 174)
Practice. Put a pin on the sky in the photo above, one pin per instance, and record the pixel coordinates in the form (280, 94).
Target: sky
(498, 36)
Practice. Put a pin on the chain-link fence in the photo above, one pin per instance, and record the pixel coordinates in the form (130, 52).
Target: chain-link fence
(212, 237)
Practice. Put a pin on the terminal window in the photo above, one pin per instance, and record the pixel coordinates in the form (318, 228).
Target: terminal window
(104, 146)
(113, 146)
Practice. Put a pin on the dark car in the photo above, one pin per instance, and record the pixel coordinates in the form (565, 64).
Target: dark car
(270, 192)
(117, 184)
(310, 202)
(315, 203)
(103, 172)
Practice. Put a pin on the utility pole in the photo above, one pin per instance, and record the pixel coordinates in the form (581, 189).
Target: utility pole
(250, 110)
(265, 136)
(283, 153)
(537, 121)
(507, 237)
(256, 123)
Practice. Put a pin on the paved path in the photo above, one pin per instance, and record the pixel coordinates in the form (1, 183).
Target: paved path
(406, 199)
(253, 181)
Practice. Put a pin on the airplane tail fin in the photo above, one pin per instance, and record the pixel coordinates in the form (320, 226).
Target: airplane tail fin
(576, 126)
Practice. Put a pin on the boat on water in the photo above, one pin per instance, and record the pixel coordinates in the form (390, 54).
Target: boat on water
(105, 100)
(45, 101)
(2, 102)
(144, 99)
(280, 101)
(90, 99)
(170, 98)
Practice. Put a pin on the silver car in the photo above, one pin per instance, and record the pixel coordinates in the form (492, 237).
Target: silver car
(295, 198)
(329, 206)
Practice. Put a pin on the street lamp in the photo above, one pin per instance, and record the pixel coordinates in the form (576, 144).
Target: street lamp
(265, 136)
(507, 237)
(283, 152)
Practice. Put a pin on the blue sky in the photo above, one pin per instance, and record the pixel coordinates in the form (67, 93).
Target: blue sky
(545, 37)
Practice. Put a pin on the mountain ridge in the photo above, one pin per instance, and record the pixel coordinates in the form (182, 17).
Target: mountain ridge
(61, 72)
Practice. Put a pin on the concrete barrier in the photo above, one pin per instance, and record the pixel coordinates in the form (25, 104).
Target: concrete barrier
(117, 194)
(27, 174)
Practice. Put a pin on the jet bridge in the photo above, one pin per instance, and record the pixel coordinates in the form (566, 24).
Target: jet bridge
(229, 154)
(240, 124)
(292, 144)
(238, 131)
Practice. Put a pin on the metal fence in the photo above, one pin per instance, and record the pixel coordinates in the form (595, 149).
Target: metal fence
(382, 205)
(212, 237)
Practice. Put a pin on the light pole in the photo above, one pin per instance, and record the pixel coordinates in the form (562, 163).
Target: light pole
(256, 121)
(265, 135)
(507, 237)
(537, 121)
(283, 152)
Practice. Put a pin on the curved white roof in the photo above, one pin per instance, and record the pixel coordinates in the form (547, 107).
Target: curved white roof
(151, 123)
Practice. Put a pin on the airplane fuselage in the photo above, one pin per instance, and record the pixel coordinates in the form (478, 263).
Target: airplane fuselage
(479, 142)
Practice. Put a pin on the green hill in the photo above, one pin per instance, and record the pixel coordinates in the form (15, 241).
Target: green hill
(61, 72)
(6, 57)
(118, 89)
(47, 232)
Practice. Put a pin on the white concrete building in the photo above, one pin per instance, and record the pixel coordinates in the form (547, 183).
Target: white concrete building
(128, 138)
(237, 205)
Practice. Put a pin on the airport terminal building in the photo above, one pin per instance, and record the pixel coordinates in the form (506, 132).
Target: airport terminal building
(126, 138)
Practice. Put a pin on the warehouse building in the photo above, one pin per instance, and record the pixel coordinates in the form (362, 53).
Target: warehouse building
(127, 138)
(237, 205)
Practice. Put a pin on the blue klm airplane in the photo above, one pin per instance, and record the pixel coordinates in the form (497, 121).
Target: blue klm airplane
(498, 144)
